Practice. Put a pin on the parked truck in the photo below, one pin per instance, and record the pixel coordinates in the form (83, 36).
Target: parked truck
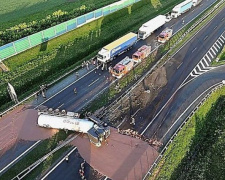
(97, 133)
(149, 27)
(196, 2)
(122, 68)
(165, 35)
(181, 8)
(141, 53)
(109, 52)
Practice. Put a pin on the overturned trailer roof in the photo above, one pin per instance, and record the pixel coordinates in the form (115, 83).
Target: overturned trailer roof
(65, 122)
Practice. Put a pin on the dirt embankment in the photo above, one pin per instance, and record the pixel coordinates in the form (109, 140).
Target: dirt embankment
(139, 98)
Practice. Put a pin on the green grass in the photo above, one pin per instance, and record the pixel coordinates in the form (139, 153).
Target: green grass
(220, 57)
(39, 151)
(48, 61)
(13, 12)
(196, 151)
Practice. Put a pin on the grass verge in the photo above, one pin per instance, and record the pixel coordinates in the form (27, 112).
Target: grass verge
(46, 62)
(220, 59)
(39, 151)
(197, 145)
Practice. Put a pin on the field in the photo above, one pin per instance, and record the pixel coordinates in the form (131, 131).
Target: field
(197, 152)
(13, 12)
(43, 63)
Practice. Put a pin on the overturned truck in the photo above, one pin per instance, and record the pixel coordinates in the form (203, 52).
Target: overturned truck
(96, 130)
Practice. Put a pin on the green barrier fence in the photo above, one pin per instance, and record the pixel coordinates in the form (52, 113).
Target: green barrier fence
(28, 42)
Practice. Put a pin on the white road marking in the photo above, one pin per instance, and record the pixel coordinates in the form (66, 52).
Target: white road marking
(187, 109)
(60, 106)
(202, 64)
(206, 38)
(222, 37)
(210, 54)
(213, 51)
(194, 49)
(197, 73)
(215, 27)
(179, 65)
(208, 57)
(217, 45)
(221, 40)
(220, 43)
(58, 163)
(206, 62)
(193, 75)
(215, 48)
(200, 69)
(19, 156)
(64, 89)
(93, 82)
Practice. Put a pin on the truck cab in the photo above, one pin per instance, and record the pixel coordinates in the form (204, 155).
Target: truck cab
(175, 12)
(142, 33)
(103, 56)
(98, 133)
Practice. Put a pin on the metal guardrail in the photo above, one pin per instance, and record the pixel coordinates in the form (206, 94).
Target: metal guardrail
(127, 93)
(218, 85)
(26, 171)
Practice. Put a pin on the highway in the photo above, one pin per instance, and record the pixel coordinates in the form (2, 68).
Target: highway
(186, 59)
(89, 86)
(170, 102)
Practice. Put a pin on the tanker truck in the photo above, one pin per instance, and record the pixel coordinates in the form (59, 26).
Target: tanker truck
(96, 131)
(109, 52)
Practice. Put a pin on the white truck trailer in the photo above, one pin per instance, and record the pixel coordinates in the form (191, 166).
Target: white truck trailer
(97, 133)
(181, 8)
(149, 27)
(109, 52)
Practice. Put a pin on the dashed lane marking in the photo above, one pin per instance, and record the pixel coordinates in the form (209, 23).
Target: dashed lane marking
(206, 38)
(93, 82)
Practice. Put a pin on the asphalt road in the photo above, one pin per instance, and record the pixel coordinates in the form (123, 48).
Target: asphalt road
(178, 68)
(90, 85)
(93, 83)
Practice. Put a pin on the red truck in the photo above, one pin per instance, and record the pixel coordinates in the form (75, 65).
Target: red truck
(141, 53)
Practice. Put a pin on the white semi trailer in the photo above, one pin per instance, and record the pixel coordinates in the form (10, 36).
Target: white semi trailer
(149, 27)
(97, 133)
(181, 8)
